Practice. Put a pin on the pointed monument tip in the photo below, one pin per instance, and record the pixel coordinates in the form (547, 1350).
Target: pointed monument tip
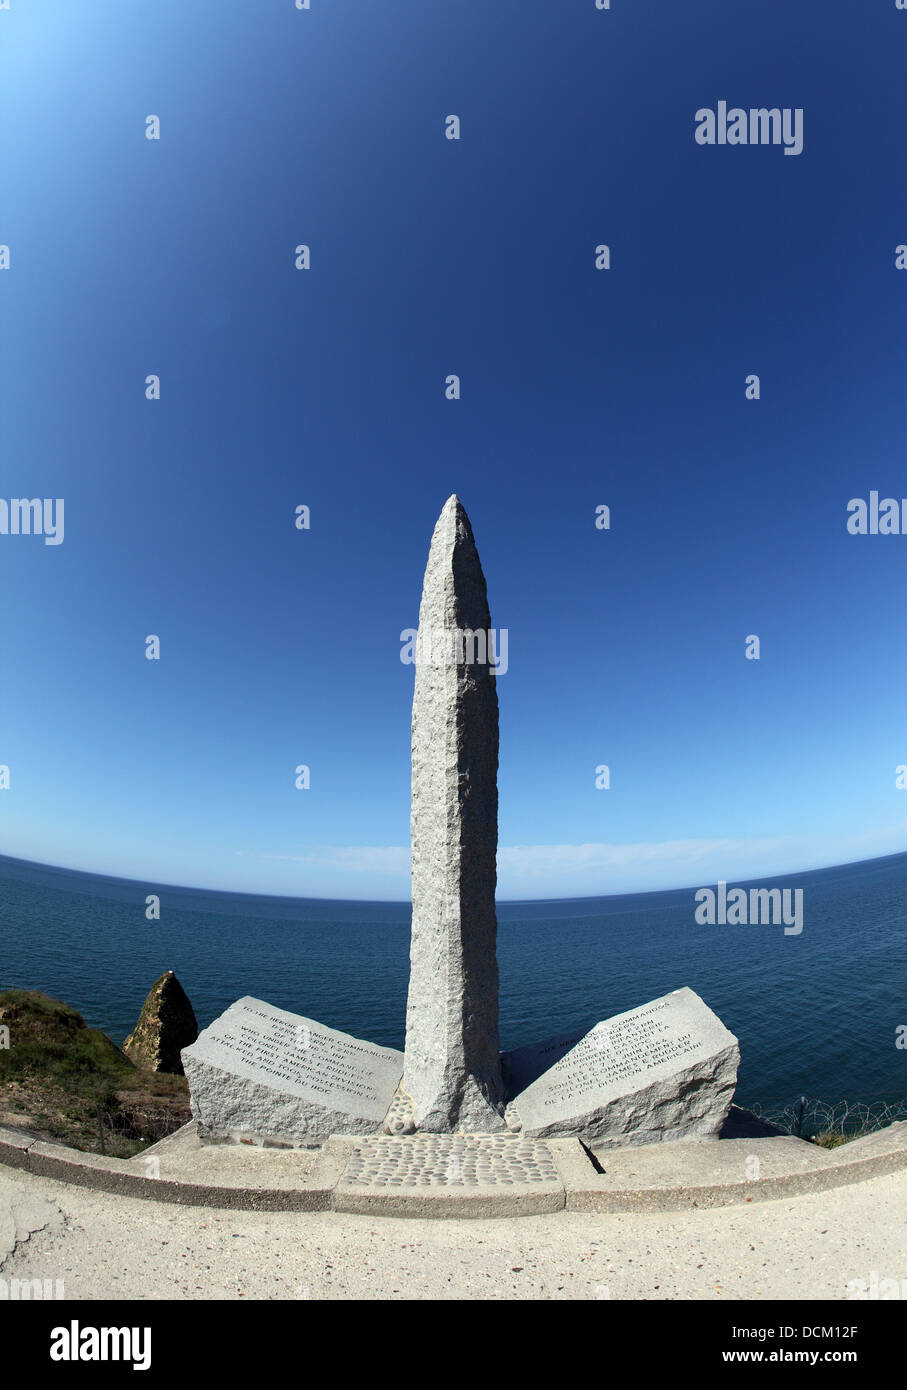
(452, 522)
(454, 513)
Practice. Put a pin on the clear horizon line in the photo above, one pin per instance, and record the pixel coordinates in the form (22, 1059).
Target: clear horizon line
(407, 902)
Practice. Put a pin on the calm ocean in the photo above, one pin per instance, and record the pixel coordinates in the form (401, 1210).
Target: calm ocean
(816, 1013)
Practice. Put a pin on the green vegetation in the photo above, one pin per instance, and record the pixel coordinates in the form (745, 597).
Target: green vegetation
(71, 1084)
(833, 1139)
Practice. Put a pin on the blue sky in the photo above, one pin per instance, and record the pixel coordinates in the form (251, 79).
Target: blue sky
(326, 388)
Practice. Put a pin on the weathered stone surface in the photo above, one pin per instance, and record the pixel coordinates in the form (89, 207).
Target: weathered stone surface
(526, 1064)
(452, 1067)
(661, 1072)
(449, 1160)
(165, 1026)
(400, 1118)
(262, 1075)
(444, 1175)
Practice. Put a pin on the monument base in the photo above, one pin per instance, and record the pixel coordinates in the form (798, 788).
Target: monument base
(665, 1071)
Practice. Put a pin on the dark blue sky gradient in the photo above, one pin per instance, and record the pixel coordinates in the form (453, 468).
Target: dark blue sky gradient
(325, 387)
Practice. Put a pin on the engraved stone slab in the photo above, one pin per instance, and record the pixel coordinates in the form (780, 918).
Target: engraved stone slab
(450, 1174)
(262, 1075)
(664, 1071)
(524, 1065)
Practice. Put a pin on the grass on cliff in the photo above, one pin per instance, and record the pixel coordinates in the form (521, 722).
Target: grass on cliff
(834, 1138)
(71, 1084)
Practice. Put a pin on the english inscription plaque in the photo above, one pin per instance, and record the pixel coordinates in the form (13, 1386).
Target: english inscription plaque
(263, 1074)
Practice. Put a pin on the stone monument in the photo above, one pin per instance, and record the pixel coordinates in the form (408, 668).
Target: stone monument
(663, 1071)
(452, 1067)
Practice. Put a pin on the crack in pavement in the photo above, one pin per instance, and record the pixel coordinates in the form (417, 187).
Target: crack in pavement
(21, 1214)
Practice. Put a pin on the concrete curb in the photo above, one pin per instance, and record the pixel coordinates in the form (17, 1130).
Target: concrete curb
(595, 1194)
(660, 1177)
(122, 1177)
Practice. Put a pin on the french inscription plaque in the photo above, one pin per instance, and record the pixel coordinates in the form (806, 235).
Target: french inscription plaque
(664, 1071)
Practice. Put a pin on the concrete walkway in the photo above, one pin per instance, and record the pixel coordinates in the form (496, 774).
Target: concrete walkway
(103, 1245)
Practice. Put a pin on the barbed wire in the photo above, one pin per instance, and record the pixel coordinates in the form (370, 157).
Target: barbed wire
(148, 1124)
(809, 1117)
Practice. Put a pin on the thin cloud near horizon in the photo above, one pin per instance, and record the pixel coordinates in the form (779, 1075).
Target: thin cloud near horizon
(600, 869)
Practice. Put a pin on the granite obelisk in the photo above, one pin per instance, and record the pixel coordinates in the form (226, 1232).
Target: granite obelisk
(452, 1068)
